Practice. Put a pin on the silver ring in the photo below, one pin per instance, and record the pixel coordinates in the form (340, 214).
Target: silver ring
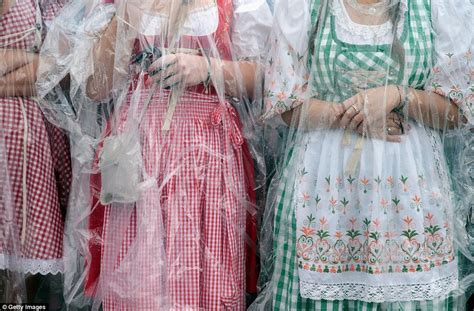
(389, 130)
(355, 108)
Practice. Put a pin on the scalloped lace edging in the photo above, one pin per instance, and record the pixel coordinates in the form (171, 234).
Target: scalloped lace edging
(383, 293)
(31, 266)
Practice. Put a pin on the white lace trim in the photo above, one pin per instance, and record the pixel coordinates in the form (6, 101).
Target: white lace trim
(351, 32)
(383, 293)
(200, 22)
(31, 266)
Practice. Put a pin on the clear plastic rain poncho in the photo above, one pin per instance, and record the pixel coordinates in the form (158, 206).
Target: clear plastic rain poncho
(373, 192)
(12, 286)
(34, 162)
(162, 111)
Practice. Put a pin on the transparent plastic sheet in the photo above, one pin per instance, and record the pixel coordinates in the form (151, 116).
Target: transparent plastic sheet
(12, 282)
(162, 111)
(34, 163)
(369, 214)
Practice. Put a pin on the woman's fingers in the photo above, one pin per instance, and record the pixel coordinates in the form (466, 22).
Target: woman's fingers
(179, 68)
(387, 137)
(356, 121)
(164, 75)
(394, 130)
(339, 109)
(392, 138)
(172, 80)
(395, 120)
(335, 113)
(353, 107)
(354, 100)
(163, 63)
(394, 127)
(387, 133)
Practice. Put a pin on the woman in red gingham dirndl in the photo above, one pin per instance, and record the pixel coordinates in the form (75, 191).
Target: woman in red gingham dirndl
(183, 245)
(48, 172)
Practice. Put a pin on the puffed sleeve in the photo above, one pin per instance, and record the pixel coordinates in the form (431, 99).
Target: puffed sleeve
(50, 9)
(252, 20)
(453, 73)
(287, 75)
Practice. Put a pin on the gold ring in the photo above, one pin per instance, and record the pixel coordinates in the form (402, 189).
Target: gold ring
(355, 108)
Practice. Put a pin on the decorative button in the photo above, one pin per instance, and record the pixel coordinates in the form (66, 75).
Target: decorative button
(216, 117)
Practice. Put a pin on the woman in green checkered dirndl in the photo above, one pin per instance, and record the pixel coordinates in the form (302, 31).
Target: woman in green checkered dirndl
(362, 209)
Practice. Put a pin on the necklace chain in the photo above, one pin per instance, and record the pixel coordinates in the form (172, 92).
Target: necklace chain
(378, 8)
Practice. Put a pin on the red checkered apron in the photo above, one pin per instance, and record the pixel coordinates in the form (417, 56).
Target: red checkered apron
(47, 160)
(183, 245)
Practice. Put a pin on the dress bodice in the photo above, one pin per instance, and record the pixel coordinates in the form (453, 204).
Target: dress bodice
(344, 65)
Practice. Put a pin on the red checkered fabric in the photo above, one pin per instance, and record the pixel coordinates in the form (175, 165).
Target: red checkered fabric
(183, 244)
(15, 23)
(21, 18)
(48, 160)
(50, 9)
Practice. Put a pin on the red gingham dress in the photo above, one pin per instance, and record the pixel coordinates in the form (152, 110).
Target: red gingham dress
(182, 246)
(48, 162)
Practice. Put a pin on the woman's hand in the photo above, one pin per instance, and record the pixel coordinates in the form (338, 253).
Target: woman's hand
(13, 59)
(323, 115)
(368, 108)
(185, 69)
(20, 82)
(317, 115)
(390, 129)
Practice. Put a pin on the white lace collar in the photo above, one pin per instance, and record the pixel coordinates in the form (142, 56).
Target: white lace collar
(352, 32)
(200, 22)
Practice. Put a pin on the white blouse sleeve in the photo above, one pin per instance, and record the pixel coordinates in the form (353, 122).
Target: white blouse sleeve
(251, 26)
(453, 73)
(286, 76)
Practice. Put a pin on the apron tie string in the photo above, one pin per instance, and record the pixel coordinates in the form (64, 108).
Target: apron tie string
(356, 154)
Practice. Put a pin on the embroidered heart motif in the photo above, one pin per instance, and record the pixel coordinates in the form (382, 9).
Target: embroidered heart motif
(375, 251)
(322, 248)
(339, 248)
(354, 246)
(339, 251)
(411, 248)
(434, 242)
(304, 246)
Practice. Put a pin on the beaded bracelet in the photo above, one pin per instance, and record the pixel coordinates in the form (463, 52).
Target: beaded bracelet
(404, 101)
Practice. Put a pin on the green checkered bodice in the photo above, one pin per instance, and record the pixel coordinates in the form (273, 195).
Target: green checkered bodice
(340, 70)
